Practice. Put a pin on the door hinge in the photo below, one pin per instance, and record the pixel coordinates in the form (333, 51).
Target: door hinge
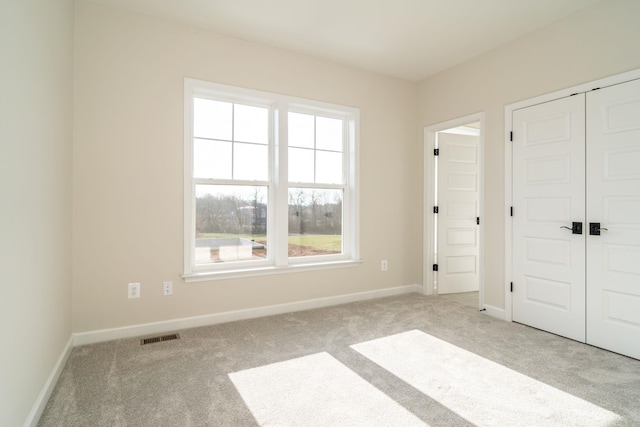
(511, 286)
(511, 210)
(435, 209)
(435, 267)
(511, 136)
(436, 151)
(478, 220)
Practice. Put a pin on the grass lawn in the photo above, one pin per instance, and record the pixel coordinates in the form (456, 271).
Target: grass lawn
(324, 242)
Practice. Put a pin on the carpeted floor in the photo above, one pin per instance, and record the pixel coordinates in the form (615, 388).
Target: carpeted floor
(190, 381)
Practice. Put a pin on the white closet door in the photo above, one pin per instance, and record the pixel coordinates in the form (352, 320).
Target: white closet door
(458, 233)
(549, 193)
(613, 183)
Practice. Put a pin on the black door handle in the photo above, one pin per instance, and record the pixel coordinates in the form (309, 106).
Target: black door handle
(576, 228)
(594, 228)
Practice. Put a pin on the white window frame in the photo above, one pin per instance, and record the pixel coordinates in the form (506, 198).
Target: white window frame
(277, 260)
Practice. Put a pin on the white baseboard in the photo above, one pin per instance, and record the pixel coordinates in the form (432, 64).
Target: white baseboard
(496, 312)
(47, 389)
(92, 337)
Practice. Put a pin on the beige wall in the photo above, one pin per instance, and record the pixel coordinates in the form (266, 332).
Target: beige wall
(602, 40)
(128, 168)
(128, 151)
(35, 184)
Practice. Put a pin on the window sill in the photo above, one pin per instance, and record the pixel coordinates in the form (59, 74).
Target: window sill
(206, 276)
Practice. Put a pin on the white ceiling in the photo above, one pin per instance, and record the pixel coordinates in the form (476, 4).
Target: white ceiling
(409, 39)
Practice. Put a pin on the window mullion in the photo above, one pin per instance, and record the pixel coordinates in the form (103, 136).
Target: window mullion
(352, 167)
(347, 236)
(281, 174)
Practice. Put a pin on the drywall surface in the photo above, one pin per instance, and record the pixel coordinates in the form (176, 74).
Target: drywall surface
(36, 71)
(128, 168)
(600, 41)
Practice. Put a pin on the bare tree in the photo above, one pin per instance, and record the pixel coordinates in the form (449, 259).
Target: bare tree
(297, 199)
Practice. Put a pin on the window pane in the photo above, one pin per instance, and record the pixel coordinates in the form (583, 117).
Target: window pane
(301, 130)
(315, 222)
(329, 134)
(251, 124)
(251, 162)
(301, 165)
(328, 167)
(211, 119)
(231, 223)
(211, 159)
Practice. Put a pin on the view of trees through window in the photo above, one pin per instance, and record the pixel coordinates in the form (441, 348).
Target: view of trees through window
(236, 217)
(315, 222)
(231, 222)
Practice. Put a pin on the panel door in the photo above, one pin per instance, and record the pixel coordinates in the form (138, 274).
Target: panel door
(458, 197)
(549, 195)
(613, 183)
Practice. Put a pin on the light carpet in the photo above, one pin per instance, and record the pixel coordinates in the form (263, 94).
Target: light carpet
(317, 390)
(186, 383)
(479, 390)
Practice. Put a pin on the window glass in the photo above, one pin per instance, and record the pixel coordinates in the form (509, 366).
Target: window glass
(315, 149)
(251, 162)
(329, 134)
(231, 223)
(301, 166)
(251, 124)
(301, 130)
(212, 159)
(328, 167)
(315, 222)
(212, 119)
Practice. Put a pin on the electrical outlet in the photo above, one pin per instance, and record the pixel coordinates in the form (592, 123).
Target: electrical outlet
(167, 288)
(384, 265)
(134, 290)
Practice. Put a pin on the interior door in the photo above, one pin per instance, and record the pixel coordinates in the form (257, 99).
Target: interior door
(613, 182)
(548, 198)
(458, 205)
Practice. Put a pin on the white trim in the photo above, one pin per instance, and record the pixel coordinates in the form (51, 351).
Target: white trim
(91, 337)
(429, 166)
(427, 211)
(508, 164)
(49, 385)
(277, 257)
(496, 312)
(508, 220)
(206, 276)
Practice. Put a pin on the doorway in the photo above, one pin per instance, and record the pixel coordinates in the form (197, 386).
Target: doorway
(453, 207)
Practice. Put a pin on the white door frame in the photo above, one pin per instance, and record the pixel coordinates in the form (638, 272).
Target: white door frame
(428, 199)
(508, 166)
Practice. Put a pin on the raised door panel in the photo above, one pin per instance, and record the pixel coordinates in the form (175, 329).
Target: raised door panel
(613, 201)
(548, 194)
(458, 236)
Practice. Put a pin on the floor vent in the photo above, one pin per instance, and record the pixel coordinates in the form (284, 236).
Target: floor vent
(152, 340)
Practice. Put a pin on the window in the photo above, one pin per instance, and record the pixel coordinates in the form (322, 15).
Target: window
(270, 183)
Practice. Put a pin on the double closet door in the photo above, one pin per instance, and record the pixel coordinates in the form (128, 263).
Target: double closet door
(576, 217)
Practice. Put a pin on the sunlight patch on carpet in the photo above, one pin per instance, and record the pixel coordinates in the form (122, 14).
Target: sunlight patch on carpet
(481, 391)
(316, 390)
